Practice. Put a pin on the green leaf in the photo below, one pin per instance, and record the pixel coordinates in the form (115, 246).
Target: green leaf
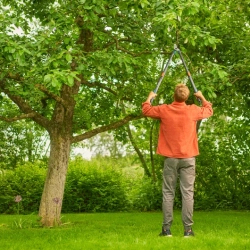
(222, 74)
(81, 67)
(66, 40)
(68, 57)
(70, 80)
(12, 50)
(47, 78)
(214, 95)
(55, 64)
(88, 7)
(55, 82)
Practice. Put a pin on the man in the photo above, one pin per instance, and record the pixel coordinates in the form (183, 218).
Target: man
(178, 143)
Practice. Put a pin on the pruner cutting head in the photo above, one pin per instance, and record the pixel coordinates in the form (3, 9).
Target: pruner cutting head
(175, 47)
(176, 50)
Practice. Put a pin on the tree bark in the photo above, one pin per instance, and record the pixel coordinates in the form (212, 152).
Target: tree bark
(52, 197)
(60, 132)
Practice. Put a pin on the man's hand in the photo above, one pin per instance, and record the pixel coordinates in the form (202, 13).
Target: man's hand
(200, 96)
(151, 96)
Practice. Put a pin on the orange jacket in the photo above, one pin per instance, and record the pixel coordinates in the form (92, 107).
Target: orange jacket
(177, 136)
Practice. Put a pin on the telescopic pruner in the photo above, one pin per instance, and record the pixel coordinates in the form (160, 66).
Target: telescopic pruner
(176, 50)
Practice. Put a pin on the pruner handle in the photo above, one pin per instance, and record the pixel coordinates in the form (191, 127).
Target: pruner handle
(151, 101)
(198, 99)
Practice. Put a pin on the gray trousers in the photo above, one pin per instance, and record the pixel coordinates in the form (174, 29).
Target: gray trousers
(185, 169)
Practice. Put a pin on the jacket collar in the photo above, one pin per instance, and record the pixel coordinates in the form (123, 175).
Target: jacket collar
(179, 103)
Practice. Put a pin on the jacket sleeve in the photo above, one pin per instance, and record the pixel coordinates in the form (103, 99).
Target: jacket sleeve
(205, 111)
(151, 111)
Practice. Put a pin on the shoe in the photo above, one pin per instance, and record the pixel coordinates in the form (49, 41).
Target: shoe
(188, 233)
(166, 233)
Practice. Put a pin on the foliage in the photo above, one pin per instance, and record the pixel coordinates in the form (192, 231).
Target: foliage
(26, 180)
(223, 166)
(21, 142)
(101, 185)
(146, 195)
(109, 46)
(94, 188)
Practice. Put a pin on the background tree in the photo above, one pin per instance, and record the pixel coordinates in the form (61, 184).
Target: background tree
(20, 142)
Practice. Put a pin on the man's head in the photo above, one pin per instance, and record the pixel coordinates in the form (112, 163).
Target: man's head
(181, 93)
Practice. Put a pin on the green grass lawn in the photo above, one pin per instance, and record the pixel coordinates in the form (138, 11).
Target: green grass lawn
(213, 230)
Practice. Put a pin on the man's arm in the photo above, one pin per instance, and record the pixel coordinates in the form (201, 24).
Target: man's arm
(149, 110)
(206, 109)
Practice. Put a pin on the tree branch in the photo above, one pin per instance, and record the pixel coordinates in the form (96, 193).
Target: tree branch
(16, 118)
(53, 96)
(97, 84)
(17, 77)
(113, 125)
(25, 107)
(117, 41)
(118, 47)
(137, 150)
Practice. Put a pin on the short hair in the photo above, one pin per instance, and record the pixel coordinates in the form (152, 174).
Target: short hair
(181, 92)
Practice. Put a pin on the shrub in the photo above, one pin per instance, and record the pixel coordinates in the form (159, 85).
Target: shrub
(26, 180)
(93, 188)
(102, 185)
(146, 195)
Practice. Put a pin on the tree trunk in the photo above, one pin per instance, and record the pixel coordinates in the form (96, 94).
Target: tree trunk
(137, 150)
(52, 197)
(151, 153)
(60, 133)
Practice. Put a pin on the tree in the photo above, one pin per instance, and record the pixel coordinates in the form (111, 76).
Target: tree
(20, 142)
(78, 68)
